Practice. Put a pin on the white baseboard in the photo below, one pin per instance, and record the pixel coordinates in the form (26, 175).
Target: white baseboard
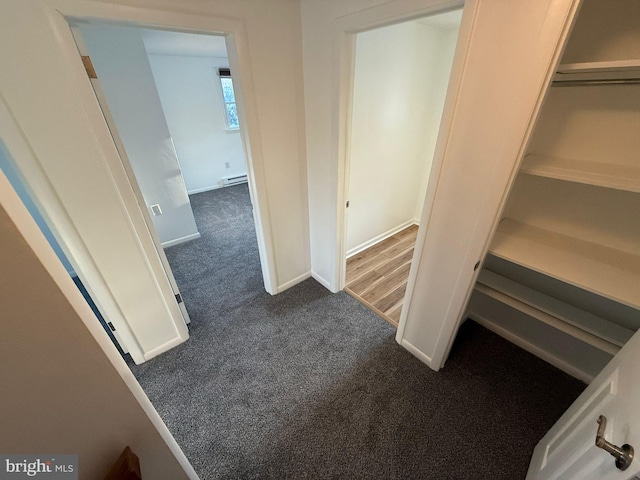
(379, 238)
(154, 352)
(177, 241)
(322, 281)
(294, 281)
(204, 189)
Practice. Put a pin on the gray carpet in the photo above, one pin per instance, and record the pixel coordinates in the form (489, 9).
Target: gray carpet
(309, 384)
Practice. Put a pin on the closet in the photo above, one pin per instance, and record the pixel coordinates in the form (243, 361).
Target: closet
(562, 276)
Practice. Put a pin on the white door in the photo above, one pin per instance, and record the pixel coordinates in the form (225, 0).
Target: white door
(505, 58)
(568, 450)
(102, 101)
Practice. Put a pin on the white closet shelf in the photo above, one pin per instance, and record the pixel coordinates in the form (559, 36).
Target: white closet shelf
(601, 270)
(611, 336)
(609, 70)
(607, 66)
(620, 177)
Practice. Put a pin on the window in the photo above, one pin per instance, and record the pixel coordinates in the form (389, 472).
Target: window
(229, 97)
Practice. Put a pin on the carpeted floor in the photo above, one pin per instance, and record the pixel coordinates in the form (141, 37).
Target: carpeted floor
(309, 384)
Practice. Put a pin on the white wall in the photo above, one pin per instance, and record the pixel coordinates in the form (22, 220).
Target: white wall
(61, 392)
(191, 97)
(446, 40)
(121, 62)
(400, 81)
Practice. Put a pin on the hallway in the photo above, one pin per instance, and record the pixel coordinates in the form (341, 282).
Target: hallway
(309, 384)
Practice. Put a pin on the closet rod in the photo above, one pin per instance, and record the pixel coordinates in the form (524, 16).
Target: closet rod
(585, 82)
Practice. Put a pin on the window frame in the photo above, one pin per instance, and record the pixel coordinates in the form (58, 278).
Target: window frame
(225, 72)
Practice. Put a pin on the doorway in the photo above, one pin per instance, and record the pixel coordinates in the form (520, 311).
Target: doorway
(84, 187)
(170, 104)
(400, 78)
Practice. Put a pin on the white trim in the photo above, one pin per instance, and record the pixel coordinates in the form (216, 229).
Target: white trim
(204, 189)
(531, 348)
(418, 354)
(41, 248)
(162, 348)
(345, 51)
(238, 51)
(180, 240)
(379, 238)
(294, 281)
(322, 281)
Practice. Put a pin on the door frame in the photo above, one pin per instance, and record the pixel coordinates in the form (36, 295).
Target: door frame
(344, 49)
(59, 14)
(348, 28)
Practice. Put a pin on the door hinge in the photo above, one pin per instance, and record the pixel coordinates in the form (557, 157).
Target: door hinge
(347, 203)
(88, 66)
(113, 329)
(178, 298)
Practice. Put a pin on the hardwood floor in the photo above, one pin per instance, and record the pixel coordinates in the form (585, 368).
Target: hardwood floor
(378, 276)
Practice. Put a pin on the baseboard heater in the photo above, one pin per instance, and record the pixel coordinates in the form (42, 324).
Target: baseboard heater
(229, 181)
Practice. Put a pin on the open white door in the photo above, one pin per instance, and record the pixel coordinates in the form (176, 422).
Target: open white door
(102, 101)
(505, 59)
(568, 450)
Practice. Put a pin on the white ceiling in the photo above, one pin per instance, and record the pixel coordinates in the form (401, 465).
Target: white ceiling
(159, 42)
(443, 20)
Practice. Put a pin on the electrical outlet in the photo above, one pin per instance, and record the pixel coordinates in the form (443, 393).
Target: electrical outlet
(227, 165)
(156, 210)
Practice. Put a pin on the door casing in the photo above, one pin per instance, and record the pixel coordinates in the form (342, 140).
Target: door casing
(58, 14)
(349, 27)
